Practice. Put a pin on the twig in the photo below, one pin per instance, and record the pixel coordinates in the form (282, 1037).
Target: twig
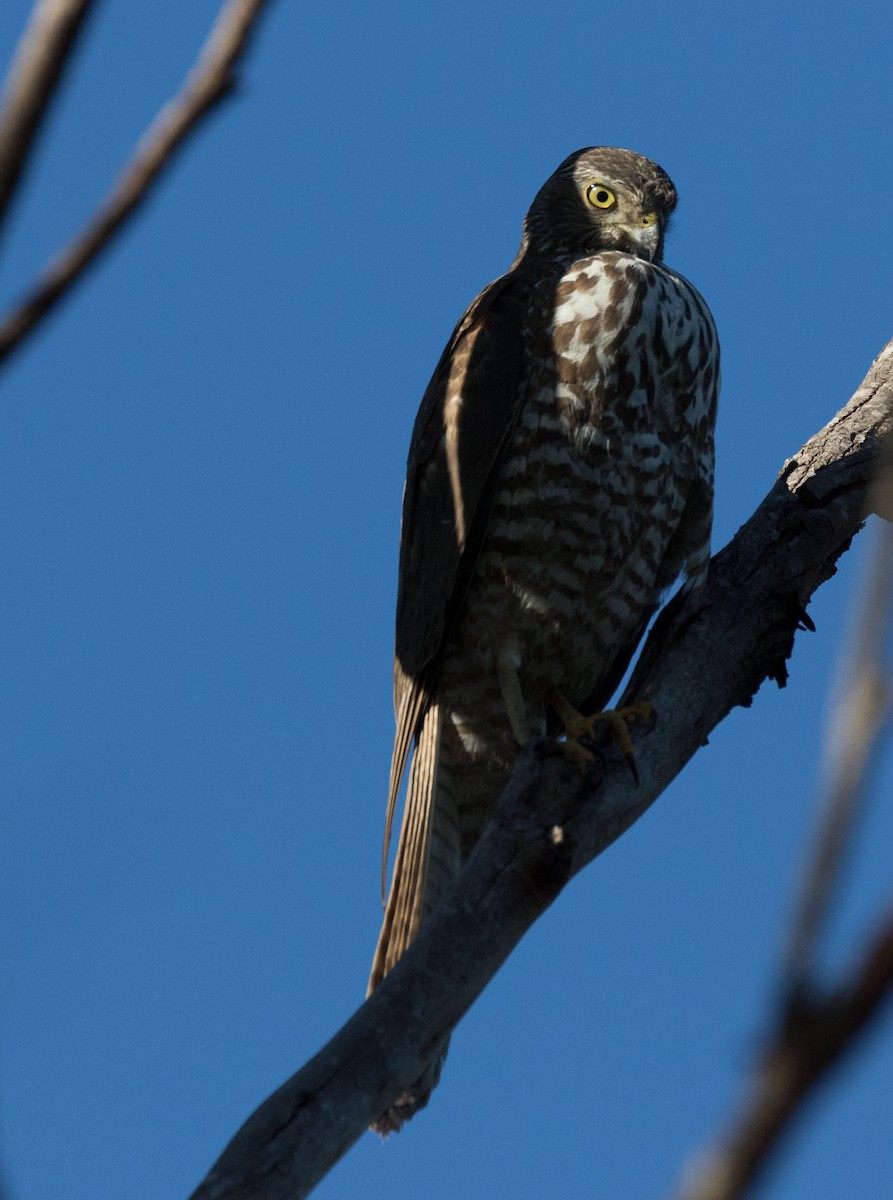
(42, 53)
(211, 78)
(853, 731)
(712, 651)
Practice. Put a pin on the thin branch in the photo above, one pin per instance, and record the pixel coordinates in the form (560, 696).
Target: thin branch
(815, 1025)
(33, 78)
(709, 652)
(853, 733)
(210, 80)
(811, 1042)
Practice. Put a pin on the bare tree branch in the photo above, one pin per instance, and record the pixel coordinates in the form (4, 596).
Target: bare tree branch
(709, 652)
(210, 80)
(42, 53)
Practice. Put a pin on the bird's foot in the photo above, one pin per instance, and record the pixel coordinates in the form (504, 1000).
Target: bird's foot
(577, 727)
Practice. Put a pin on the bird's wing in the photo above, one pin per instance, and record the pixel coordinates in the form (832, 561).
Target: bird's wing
(466, 416)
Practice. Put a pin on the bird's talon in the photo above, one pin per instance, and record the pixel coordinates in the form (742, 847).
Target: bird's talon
(618, 721)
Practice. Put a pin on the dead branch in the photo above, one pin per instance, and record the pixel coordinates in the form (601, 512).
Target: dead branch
(210, 80)
(707, 654)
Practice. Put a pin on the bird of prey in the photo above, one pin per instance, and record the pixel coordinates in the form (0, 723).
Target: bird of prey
(560, 479)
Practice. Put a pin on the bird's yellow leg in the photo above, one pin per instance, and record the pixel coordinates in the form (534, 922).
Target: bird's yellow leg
(576, 726)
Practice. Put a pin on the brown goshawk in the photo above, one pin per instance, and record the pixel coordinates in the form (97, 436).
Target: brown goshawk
(560, 478)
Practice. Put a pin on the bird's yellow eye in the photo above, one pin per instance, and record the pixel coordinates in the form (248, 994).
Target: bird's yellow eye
(600, 196)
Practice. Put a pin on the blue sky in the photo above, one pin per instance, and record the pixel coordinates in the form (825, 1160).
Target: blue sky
(201, 463)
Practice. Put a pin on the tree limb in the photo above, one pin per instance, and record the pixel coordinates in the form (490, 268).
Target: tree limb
(41, 56)
(709, 652)
(210, 80)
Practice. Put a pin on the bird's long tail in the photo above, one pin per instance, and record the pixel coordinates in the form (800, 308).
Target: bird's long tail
(427, 861)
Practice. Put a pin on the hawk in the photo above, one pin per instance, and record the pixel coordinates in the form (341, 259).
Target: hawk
(560, 479)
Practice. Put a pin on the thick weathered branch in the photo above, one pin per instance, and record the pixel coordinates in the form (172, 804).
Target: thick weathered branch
(708, 653)
(45, 48)
(211, 78)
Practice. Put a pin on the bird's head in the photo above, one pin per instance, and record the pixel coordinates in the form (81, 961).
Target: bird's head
(600, 198)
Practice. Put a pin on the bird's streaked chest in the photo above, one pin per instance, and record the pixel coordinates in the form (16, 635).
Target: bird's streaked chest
(606, 444)
(613, 399)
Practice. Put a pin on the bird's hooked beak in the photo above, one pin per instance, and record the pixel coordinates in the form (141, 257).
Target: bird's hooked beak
(647, 234)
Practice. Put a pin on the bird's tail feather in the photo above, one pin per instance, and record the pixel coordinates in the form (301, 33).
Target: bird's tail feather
(427, 858)
(427, 861)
